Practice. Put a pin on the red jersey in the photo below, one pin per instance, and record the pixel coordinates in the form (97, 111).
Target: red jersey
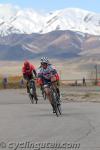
(28, 70)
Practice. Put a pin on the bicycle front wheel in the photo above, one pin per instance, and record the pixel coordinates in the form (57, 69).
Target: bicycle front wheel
(54, 102)
(31, 98)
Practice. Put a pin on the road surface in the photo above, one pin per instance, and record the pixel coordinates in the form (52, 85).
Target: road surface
(29, 126)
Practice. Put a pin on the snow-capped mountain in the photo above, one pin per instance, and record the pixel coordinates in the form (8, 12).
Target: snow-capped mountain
(74, 19)
(16, 20)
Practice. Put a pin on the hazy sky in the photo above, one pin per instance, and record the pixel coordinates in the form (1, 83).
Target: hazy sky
(49, 5)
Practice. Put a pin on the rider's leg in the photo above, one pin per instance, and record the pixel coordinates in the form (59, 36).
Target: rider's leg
(35, 96)
(58, 91)
(48, 94)
(55, 84)
(57, 87)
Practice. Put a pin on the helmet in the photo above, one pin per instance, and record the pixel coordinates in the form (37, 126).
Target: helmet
(26, 63)
(44, 60)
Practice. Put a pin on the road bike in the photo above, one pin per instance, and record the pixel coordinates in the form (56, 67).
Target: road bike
(32, 91)
(56, 102)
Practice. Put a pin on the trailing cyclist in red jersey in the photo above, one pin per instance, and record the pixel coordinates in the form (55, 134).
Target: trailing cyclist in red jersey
(28, 69)
(29, 73)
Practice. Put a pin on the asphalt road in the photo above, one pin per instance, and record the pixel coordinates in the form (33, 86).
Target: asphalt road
(34, 126)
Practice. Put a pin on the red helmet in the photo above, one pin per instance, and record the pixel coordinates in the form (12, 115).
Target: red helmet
(26, 63)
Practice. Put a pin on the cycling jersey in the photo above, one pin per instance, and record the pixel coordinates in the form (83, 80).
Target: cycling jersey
(28, 72)
(46, 74)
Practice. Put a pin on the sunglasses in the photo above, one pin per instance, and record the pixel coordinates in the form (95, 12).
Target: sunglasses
(43, 63)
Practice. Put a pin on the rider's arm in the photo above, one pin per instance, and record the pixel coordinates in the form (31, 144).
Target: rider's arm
(24, 73)
(34, 72)
(54, 73)
(53, 70)
(39, 77)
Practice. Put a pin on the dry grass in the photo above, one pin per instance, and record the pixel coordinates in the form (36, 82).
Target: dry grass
(13, 82)
(67, 69)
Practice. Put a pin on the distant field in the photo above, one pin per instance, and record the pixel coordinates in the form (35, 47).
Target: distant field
(12, 82)
(70, 70)
(67, 69)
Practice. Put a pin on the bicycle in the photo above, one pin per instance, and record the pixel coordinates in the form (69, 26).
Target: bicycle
(32, 91)
(55, 99)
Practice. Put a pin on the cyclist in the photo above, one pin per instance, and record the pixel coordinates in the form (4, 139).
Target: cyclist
(46, 74)
(29, 72)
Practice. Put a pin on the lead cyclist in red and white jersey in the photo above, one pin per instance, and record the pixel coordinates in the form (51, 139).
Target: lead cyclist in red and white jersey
(47, 73)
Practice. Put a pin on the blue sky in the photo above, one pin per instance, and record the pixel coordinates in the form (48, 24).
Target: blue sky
(49, 5)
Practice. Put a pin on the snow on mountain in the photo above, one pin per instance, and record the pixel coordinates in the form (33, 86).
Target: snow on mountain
(16, 20)
(74, 19)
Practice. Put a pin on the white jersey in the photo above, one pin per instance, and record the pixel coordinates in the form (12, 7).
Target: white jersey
(46, 73)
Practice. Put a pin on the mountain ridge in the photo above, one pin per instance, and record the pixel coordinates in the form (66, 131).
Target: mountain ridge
(56, 44)
(62, 34)
(28, 21)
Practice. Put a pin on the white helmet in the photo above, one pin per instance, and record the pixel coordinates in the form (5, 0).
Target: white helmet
(44, 60)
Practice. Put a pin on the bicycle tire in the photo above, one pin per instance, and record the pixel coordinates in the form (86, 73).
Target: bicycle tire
(44, 95)
(31, 98)
(54, 102)
(32, 95)
(59, 109)
(58, 104)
